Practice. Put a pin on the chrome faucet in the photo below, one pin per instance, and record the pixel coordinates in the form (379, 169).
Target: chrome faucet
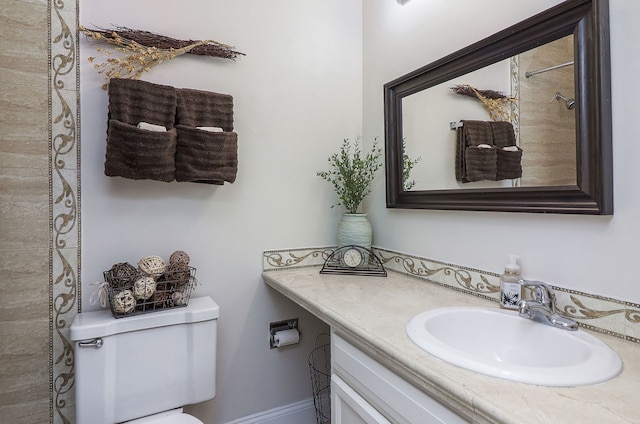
(543, 307)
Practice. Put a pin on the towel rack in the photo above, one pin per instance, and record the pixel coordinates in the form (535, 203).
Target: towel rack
(550, 68)
(455, 125)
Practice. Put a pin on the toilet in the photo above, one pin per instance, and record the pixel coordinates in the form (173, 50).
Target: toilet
(145, 368)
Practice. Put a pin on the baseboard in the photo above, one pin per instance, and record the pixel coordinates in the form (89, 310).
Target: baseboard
(296, 413)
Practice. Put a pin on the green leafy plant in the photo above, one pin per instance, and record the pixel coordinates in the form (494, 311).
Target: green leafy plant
(351, 173)
(407, 166)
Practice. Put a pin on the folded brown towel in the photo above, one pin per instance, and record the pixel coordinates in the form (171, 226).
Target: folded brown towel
(460, 148)
(472, 133)
(139, 154)
(509, 164)
(198, 108)
(134, 101)
(206, 157)
(480, 163)
(477, 132)
(187, 153)
(503, 134)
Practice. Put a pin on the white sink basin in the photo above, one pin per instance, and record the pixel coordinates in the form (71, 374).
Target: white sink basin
(502, 344)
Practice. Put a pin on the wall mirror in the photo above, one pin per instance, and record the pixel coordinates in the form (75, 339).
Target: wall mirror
(553, 70)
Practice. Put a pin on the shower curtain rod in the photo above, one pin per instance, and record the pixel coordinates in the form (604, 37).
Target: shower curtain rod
(550, 68)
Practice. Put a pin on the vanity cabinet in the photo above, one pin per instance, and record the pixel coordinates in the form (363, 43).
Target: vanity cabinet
(348, 407)
(383, 371)
(365, 391)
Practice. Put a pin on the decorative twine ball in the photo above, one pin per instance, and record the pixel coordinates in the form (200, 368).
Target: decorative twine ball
(124, 302)
(121, 275)
(179, 256)
(144, 287)
(159, 297)
(166, 285)
(179, 298)
(152, 266)
(179, 273)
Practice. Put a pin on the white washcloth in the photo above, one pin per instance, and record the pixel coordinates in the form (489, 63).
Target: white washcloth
(151, 127)
(484, 146)
(510, 148)
(211, 129)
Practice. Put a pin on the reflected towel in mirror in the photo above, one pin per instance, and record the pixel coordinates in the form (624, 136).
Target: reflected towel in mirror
(471, 133)
(487, 151)
(503, 134)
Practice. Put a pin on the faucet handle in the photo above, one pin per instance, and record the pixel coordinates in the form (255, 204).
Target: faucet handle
(543, 293)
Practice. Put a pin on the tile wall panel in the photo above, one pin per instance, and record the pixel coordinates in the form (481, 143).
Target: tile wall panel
(64, 202)
(24, 208)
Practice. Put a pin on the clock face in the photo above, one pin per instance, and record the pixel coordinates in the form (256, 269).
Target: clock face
(352, 258)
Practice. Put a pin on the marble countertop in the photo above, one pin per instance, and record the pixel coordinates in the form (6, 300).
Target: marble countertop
(371, 312)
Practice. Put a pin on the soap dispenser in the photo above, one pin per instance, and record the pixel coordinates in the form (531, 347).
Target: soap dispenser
(510, 287)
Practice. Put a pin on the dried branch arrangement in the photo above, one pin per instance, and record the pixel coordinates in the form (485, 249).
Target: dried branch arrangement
(496, 103)
(142, 50)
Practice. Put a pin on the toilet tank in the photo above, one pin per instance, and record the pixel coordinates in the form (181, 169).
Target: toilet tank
(136, 366)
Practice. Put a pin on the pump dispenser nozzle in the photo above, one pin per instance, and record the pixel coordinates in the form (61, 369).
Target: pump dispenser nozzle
(513, 266)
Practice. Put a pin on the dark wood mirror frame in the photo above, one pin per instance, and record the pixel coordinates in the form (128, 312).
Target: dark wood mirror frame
(588, 21)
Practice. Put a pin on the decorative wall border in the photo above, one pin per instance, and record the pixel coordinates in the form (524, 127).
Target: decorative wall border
(602, 314)
(295, 258)
(514, 66)
(64, 203)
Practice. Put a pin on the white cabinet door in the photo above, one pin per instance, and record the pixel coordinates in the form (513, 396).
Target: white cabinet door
(386, 392)
(348, 407)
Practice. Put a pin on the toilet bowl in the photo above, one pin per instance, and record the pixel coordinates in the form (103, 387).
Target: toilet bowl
(145, 368)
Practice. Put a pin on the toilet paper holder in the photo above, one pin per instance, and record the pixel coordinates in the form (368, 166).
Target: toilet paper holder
(274, 327)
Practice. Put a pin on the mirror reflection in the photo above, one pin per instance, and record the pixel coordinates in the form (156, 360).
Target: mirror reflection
(539, 160)
(537, 106)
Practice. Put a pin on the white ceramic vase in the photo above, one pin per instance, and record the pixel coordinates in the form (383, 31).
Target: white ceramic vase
(355, 228)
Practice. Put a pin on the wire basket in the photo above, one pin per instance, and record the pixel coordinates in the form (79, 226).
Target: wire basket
(141, 293)
(320, 369)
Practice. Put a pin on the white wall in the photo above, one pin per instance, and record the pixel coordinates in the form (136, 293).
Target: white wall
(588, 253)
(297, 94)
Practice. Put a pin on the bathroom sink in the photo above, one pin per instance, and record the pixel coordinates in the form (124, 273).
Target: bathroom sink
(502, 344)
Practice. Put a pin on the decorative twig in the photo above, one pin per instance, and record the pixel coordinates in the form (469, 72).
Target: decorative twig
(144, 49)
(495, 102)
(467, 90)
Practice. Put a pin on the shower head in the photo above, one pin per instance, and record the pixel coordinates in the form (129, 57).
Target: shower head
(570, 103)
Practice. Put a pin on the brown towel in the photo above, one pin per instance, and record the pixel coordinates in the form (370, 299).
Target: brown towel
(134, 101)
(460, 148)
(198, 108)
(503, 134)
(509, 164)
(472, 133)
(206, 157)
(139, 154)
(477, 132)
(480, 163)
